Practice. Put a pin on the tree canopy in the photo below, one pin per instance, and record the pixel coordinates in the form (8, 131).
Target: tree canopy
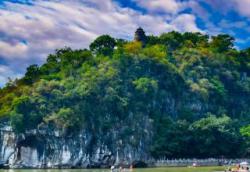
(178, 89)
(103, 45)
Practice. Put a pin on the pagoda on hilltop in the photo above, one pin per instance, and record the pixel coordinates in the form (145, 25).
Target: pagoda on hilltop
(140, 36)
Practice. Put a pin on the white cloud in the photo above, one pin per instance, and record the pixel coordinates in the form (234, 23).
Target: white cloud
(229, 24)
(163, 6)
(12, 50)
(242, 6)
(30, 32)
(224, 6)
(185, 22)
(198, 10)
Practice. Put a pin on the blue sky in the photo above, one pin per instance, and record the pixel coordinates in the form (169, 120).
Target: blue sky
(31, 29)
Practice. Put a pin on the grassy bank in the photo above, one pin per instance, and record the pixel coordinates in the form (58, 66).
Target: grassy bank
(182, 169)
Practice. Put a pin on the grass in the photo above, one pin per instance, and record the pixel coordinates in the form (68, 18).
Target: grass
(181, 169)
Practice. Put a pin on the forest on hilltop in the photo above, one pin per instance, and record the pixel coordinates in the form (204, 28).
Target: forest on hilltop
(193, 89)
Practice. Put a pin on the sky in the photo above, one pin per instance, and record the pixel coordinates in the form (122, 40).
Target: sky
(32, 29)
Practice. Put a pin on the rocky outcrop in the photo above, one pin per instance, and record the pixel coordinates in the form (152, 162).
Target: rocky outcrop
(50, 148)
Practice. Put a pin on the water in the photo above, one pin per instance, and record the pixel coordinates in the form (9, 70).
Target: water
(172, 169)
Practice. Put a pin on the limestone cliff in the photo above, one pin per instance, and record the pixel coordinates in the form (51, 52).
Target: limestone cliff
(50, 148)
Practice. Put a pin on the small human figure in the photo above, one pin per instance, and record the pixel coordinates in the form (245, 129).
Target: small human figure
(131, 168)
(112, 168)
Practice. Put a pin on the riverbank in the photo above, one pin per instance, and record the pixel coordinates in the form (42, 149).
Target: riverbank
(158, 169)
(162, 163)
(199, 162)
(182, 169)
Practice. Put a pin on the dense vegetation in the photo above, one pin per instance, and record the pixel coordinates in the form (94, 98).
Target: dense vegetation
(194, 91)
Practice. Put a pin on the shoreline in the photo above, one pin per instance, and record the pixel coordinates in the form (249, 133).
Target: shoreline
(163, 163)
(108, 168)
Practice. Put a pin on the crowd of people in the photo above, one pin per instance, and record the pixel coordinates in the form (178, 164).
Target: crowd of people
(121, 169)
(242, 167)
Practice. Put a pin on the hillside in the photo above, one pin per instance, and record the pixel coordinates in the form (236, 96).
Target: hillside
(155, 97)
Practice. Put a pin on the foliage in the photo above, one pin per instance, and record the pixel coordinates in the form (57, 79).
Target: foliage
(103, 45)
(133, 47)
(222, 42)
(174, 88)
(245, 131)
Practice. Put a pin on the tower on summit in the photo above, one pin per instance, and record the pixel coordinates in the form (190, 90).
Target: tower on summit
(140, 35)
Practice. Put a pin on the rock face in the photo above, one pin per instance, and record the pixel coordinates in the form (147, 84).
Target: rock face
(48, 148)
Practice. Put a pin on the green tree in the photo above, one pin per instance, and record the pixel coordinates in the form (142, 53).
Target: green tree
(245, 132)
(103, 45)
(23, 116)
(133, 47)
(197, 39)
(65, 119)
(222, 42)
(146, 85)
(32, 74)
(218, 135)
(173, 40)
(17, 122)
